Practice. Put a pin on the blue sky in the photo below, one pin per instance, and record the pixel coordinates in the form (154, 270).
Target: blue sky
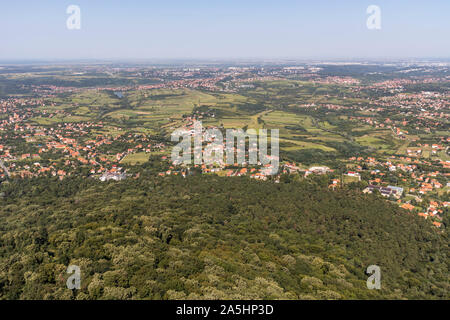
(200, 29)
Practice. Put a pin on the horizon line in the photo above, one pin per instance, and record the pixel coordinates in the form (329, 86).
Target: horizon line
(222, 60)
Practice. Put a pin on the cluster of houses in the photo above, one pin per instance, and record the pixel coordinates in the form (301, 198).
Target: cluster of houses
(415, 182)
(61, 148)
(389, 191)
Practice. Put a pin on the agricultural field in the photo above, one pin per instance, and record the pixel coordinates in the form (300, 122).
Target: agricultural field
(135, 158)
(269, 105)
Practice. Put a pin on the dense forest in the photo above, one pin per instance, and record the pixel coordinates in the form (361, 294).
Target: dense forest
(210, 237)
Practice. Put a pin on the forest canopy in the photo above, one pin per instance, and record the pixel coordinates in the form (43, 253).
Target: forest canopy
(210, 237)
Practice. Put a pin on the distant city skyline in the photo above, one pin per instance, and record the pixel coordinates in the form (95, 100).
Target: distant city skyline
(200, 29)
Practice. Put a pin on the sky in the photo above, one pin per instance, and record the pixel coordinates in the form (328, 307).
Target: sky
(227, 29)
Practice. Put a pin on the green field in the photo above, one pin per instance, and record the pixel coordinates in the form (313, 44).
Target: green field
(135, 158)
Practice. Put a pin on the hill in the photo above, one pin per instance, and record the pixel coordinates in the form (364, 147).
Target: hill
(209, 237)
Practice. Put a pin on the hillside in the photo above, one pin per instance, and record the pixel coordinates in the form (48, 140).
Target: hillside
(214, 238)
